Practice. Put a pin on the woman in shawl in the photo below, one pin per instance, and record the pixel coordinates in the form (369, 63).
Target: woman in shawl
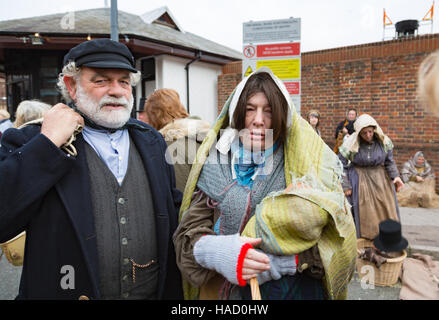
(416, 169)
(236, 174)
(419, 187)
(370, 176)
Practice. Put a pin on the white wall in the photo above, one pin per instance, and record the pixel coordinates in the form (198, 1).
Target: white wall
(170, 73)
(203, 78)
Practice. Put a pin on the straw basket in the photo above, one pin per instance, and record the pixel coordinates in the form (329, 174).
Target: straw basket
(387, 274)
(14, 249)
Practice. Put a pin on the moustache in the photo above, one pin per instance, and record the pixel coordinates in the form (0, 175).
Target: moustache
(114, 101)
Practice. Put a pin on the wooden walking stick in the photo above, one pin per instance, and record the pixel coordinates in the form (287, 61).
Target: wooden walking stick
(254, 286)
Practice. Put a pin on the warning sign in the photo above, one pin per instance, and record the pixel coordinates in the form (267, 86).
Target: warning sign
(279, 50)
(274, 44)
(249, 52)
(283, 69)
(248, 71)
(279, 30)
(293, 87)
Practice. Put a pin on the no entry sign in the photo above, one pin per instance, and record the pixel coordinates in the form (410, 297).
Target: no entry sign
(249, 51)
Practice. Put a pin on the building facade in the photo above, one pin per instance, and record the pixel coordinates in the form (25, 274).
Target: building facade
(377, 78)
(32, 51)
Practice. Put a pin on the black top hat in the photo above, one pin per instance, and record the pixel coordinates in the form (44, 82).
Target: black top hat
(101, 53)
(390, 239)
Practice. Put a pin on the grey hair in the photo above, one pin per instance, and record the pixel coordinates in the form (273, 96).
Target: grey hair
(71, 70)
(29, 110)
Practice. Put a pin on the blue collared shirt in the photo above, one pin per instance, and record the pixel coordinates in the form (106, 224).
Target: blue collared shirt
(5, 124)
(112, 148)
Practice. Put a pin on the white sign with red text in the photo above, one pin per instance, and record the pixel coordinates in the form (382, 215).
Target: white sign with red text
(275, 44)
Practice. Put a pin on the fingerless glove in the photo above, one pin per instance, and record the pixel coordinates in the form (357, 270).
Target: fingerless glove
(224, 254)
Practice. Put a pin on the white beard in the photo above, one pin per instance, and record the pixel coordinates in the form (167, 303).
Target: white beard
(107, 118)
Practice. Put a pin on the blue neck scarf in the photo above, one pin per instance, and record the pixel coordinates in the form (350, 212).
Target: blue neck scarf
(247, 162)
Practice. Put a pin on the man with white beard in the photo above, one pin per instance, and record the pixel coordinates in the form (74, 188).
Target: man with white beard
(99, 221)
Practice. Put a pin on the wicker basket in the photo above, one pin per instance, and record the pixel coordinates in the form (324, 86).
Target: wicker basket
(14, 249)
(387, 274)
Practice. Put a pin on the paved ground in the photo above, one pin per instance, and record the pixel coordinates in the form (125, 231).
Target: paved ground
(9, 279)
(358, 292)
(419, 226)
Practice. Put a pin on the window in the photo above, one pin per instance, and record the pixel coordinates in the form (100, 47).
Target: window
(148, 79)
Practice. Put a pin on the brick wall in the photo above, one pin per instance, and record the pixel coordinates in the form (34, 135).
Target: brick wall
(378, 79)
(227, 81)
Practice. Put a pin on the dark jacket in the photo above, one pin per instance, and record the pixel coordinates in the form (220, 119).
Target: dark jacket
(46, 192)
(349, 126)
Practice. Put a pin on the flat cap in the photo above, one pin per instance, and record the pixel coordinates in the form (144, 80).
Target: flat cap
(101, 53)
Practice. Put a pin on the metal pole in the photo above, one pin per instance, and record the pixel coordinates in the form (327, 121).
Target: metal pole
(114, 23)
(187, 76)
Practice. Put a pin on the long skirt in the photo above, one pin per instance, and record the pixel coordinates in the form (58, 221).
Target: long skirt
(376, 200)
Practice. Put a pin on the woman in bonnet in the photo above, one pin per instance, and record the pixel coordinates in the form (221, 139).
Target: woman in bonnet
(370, 176)
(259, 201)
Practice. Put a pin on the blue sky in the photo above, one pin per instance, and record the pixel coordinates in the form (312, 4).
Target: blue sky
(325, 24)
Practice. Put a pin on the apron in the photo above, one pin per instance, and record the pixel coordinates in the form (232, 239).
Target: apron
(376, 200)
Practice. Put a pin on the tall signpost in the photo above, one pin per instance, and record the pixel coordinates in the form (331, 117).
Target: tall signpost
(274, 44)
(114, 21)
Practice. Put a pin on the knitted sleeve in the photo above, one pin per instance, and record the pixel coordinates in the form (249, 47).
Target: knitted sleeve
(196, 222)
(224, 254)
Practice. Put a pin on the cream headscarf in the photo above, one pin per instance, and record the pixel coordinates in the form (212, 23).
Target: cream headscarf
(351, 145)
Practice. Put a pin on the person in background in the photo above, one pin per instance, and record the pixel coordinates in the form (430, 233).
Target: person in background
(98, 221)
(314, 120)
(416, 169)
(371, 176)
(419, 183)
(29, 110)
(183, 133)
(265, 150)
(5, 122)
(345, 128)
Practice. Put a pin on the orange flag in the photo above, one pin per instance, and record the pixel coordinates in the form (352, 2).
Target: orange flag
(430, 12)
(386, 17)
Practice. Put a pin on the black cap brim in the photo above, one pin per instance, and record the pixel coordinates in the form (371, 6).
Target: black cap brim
(109, 65)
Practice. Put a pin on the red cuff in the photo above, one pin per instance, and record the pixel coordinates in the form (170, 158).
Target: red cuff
(240, 264)
(297, 260)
